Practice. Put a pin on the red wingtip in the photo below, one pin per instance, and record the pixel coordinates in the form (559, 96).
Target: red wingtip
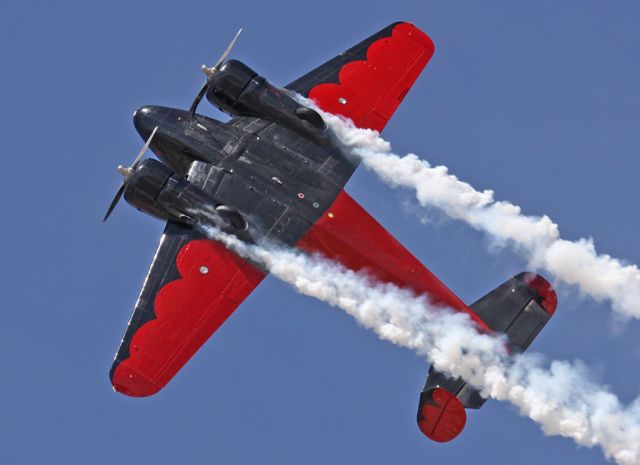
(130, 382)
(417, 35)
(542, 287)
(441, 416)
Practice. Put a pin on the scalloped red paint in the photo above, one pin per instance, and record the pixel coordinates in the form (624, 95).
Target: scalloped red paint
(370, 91)
(188, 311)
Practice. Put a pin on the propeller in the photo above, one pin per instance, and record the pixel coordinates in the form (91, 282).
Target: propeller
(211, 71)
(127, 172)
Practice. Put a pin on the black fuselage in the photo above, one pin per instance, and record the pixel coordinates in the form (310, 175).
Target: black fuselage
(274, 163)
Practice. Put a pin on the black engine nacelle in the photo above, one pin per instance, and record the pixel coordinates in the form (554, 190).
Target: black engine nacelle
(155, 189)
(238, 90)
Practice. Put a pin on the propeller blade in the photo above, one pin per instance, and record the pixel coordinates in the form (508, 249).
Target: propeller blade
(226, 53)
(144, 149)
(115, 200)
(195, 103)
(211, 71)
(127, 172)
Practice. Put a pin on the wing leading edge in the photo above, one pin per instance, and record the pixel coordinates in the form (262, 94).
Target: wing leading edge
(193, 286)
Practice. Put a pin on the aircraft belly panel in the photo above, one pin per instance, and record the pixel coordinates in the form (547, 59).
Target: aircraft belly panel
(280, 188)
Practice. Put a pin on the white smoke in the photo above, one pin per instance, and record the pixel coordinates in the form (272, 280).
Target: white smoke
(561, 397)
(536, 238)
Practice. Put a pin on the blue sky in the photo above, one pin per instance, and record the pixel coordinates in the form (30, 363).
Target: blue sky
(536, 100)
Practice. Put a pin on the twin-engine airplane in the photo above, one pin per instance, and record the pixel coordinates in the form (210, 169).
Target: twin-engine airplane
(276, 172)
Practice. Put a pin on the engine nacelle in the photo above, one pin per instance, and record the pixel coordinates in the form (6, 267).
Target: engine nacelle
(156, 190)
(238, 90)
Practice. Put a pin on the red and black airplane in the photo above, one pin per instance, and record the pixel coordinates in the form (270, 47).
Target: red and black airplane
(276, 172)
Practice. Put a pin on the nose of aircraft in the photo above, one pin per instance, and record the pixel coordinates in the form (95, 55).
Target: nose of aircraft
(145, 119)
(174, 144)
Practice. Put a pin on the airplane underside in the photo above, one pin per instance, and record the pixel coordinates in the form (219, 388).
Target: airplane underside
(276, 172)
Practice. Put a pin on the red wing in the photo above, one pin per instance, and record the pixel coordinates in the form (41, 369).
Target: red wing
(192, 287)
(367, 82)
(347, 234)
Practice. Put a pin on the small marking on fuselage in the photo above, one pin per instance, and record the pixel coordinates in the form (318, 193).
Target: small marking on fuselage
(300, 195)
(330, 215)
(204, 269)
(342, 100)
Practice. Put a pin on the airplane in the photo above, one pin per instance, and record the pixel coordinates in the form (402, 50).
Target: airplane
(276, 172)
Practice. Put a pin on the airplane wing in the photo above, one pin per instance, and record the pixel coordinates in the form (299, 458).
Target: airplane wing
(194, 284)
(367, 82)
(192, 287)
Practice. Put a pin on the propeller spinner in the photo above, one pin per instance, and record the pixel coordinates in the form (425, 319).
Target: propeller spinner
(211, 71)
(127, 172)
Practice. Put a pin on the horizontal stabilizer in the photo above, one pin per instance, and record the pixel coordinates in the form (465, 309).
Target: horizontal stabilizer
(519, 308)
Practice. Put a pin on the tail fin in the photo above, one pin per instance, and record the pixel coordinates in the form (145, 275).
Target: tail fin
(518, 308)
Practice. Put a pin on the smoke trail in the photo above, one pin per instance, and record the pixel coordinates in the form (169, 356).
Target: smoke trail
(561, 398)
(536, 238)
